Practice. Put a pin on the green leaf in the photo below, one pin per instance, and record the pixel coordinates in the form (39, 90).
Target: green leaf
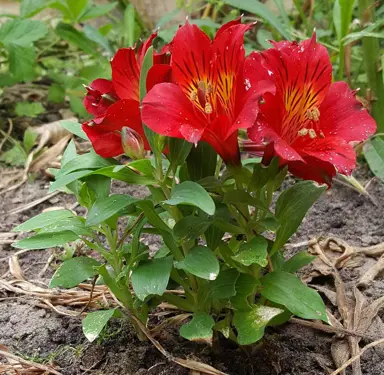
(259, 9)
(291, 208)
(29, 140)
(298, 261)
(56, 93)
(192, 194)
(129, 25)
(22, 62)
(74, 128)
(124, 173)
(200, 261)
(374, 153)
(245, 286)
(287, 290)
(76, 8)
(253, 252)
(179, 150)
(342, 17)
(201, 161)
(189, 228)
(98, 11)
(29, 109)
(94, 323)
(225, 284)
(199, 328)
(29, 8)
(105, 208)
(74, 271)
(64, 180)
(15, 156)
(22, 32)
(75, 37)
(43, 220)
(86, 161)
(151, 277)
(74, 224)
(69, 153)
(93, 34)
(243, 197)
(46, 240)
(251, 324)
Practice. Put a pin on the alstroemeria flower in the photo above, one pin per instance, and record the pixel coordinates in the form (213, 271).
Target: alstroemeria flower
(210, 97)
(309, 122)
(115, 103)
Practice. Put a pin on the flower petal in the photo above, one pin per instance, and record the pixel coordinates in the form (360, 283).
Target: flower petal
(303, 74)
(191, 58)
(343, 115)
(142, 50)
(166, 110)
(105, 144)
(125, 74)
(333, 150)
(94, 102)
(158, 74)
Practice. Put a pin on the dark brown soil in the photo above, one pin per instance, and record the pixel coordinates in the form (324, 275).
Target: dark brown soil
(289, 349)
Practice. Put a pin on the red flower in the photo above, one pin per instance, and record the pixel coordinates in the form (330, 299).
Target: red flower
(115, 104)
(309, 122)
(211, 97)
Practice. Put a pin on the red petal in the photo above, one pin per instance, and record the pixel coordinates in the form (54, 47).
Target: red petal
(227, 25)
(125, 74)
(191, 58)
(303, 75)
(343, 115)
(106, 144)
(158, 74)
(144, 48)
(333, 150)
(229, 52)
(166, 109)
(93, 102)
(313, 169)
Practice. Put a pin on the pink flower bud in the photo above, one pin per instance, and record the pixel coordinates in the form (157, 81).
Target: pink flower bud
(132, 143)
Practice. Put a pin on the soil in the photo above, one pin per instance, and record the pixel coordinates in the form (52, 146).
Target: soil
(290, 349)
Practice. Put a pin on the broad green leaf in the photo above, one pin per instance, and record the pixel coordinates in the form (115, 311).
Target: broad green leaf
(251, 324)
(192, 194)
(86, 161)
(253, 252)
(199, 328)
(29, 8)
(74, 224)
(298, 261)
(74, 271)
(287, 290)
(46, 240)
(201, 161)
(15, 156)
(105, 208)
(124, 173)
(189, 228)
(291, 208)
(374, 153)
(129, 25)
(29, 139)
(43, 220)
(98, 11)
(75, 37)
(153, 217)
(151, 277)
(22, 32)
(69, 153)
(100, 185)
(94, 323)
(243, 197)
(74, 128)
(259, 9)
(64, 180)
(200, 261)
(225, 284)
(342, 17)
(245, 286)
(22, 62)
(76, 103)
(29, 109)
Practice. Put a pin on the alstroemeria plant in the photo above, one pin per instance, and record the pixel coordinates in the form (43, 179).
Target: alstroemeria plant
(221, 243)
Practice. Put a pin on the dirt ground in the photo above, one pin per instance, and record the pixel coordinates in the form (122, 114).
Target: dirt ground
(42, 335)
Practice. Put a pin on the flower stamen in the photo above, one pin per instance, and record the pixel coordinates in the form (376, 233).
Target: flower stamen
(313, 114)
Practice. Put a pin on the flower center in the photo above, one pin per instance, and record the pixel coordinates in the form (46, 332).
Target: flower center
(202, 95)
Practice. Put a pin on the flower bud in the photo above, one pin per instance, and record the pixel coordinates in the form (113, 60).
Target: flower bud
(132, 142)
